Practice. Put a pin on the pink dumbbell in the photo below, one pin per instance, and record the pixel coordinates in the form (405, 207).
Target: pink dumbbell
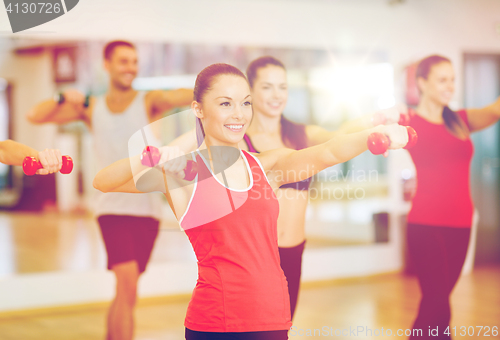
(31, 165)
(151, 156)
(378, 143)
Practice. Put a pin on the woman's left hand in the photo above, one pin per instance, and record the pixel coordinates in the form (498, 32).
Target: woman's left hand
(390, 115)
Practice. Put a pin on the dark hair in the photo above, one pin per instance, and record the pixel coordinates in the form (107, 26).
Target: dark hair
(260, 63)
(453, 122)
(292, 134)
(203, 84)
(110, 47)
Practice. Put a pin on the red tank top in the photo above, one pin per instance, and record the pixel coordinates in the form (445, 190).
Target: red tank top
(442, 162)
(241, 286)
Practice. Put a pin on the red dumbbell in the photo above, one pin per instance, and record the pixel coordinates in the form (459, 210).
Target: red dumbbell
(191, 170)
(31, 165)
(151, 156)
(378, 143)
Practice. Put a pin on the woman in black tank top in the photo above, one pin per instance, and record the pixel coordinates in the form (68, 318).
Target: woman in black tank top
(271, 130)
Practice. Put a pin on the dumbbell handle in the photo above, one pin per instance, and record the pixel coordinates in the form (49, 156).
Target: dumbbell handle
(378, 143)
(31, 165)
(151, 156)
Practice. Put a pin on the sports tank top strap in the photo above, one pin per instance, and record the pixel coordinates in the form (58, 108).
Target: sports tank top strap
(255, 167)
(203, 170)
(251, 148)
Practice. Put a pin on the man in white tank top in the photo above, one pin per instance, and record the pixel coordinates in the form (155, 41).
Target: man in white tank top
(128, 222)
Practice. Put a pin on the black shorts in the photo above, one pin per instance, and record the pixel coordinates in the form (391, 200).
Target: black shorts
(268, 335)
(128, 238)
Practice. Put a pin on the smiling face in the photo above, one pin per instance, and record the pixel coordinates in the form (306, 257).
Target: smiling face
(225, 110)
(122, 66)
(270, 90)
(439, 86)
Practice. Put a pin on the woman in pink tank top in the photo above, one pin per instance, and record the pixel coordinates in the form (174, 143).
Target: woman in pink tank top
(230, 211)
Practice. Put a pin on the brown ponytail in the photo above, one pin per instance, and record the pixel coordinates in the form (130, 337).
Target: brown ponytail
(292, 134)
(453, 122)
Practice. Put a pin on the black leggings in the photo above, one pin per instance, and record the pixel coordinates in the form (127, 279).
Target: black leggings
(438, 254)
(268, 335)
(291, 263)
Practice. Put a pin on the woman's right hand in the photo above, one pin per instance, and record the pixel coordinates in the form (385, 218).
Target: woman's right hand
(173, 161)
(398, 135)
(51, 161)
(390, 115)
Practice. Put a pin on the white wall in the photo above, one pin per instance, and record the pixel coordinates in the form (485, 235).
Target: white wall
(407, 31)
(31, 77)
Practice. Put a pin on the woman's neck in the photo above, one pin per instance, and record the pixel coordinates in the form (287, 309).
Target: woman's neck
(209, 142)
(262, 123)
(430, 110)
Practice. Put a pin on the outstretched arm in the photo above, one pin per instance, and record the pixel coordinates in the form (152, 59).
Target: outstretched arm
(318, 135)
(72, 109)
(118, 177)
(482, 118)
(14, 153)
(287, 166)
(130, 175)
(160, 101)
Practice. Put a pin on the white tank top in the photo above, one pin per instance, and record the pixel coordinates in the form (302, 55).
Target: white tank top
(111, 132)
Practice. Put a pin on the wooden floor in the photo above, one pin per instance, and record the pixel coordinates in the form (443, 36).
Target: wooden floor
(50, 242)
(387, 301)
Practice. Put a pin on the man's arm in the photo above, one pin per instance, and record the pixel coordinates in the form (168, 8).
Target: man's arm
(72, 109)
(158, 102)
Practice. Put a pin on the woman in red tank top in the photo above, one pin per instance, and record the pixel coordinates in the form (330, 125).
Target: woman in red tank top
(230, 211)
(441, 215)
